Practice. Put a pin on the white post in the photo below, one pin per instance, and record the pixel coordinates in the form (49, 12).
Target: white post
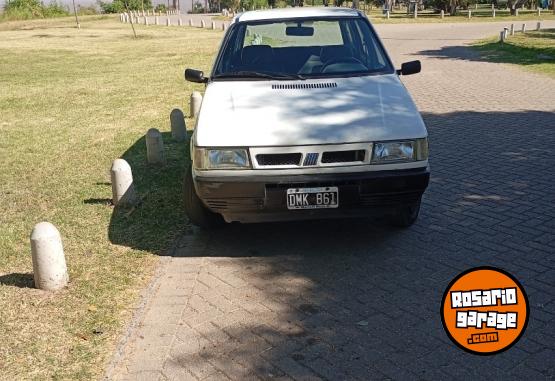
(415, 10)
(123, 191)
(190, 22)
(512, 29)
(196, 100)
(502, 36)
(213, 25)
(493, 12)
(523, 30)
(469, 14)
(177, 123)
(442, 14)
(539, 12)
(156, 20)
(49, 263)
(538, 25)
(155, 147)
(516, 12)
(202, 24)
(387, 14)
(180, 22)
(505, 33)
(146, 20)
(168, 21)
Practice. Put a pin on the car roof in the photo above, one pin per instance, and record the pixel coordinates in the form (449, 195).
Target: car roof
(297, 12)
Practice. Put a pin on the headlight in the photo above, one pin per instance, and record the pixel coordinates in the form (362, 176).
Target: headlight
(403, 151)
(212, 158)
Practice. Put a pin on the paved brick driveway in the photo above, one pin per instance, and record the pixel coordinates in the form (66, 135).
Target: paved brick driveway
(351, 300)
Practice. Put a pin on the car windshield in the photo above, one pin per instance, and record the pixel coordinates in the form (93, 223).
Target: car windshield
(300, 48)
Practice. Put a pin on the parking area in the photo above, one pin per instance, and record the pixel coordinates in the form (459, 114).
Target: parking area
(354, 299)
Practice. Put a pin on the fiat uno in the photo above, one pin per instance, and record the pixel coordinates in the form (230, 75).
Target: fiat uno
(304, 116)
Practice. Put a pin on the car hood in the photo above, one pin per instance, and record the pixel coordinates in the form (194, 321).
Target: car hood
(322, 111)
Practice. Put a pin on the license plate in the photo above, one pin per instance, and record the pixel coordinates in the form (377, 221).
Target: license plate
(312, 198)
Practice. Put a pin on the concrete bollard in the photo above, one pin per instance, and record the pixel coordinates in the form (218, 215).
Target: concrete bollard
(523, 29)
(538, 25)
(155, 147)
(516, 12)
(442, 14)
(156, 20)
(123, 191)
(146, 21)
(202, 24)
(213, 26)
(168, 21)
(415, 11)
(539, 12)
(469, 14)
(387, 14)
(190, 22)
(49, 263)
(512, 29)
(177, 122)
(505, 33)
(493, 13)
(180, 22)
(196, 100)
(502, 36)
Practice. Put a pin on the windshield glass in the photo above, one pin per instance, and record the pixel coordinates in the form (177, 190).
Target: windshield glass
(298, 48)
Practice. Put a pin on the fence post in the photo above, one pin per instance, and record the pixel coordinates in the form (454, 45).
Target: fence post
(156, 20)
(180, 22)
(415, 11)
(190, 22)
(469, 14)
(213, 25)
(442, 14)
(202, 24)
(493, 12)
(123, 191)
(177, 123)
(512, 29)
(523, 30)
(196, 100)
(516, 12)
(168, 21)
(154, 147)
(538, 25)
(49, 262)
(502, 36)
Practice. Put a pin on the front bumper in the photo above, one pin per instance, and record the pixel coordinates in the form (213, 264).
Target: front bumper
(263, 198)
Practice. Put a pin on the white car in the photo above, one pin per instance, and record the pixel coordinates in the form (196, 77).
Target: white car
(304, 117)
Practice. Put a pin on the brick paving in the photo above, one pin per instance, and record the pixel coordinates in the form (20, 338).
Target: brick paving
(336, 300)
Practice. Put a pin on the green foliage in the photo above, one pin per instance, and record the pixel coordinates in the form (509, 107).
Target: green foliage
(253, 4)
(119, 6)
(160, 8)
(31, 9)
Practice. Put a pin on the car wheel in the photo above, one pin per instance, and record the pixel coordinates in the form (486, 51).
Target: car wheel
(198, 214)
(406, 216)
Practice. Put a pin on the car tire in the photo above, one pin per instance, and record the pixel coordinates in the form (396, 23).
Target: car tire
(406, 216)
(198, 214)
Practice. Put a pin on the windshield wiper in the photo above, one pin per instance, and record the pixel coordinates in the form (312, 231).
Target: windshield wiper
(258, 74)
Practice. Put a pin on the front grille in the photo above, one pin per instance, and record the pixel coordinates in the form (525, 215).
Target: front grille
(279, 159)
(221, 205)
(343, 156)
(291, 86)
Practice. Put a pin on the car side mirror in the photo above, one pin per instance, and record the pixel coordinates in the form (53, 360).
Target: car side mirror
(409, 68)
(193, 75)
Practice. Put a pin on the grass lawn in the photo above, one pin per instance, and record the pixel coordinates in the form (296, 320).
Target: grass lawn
(534, 50)
(70, 102)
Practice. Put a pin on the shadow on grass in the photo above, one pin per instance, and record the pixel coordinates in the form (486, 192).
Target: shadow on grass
(21, 280)
(159, 217)
(541, 51)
